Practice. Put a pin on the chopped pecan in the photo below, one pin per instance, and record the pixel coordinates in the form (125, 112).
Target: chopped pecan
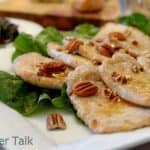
(137, 68)
(131, 54)
(105, 49)
(110, 94)
(55, 121)
(119, 78)
(72, 45)
(113, 36)
(135, 43)
(47, 69)
(96, 62)
(85, 89)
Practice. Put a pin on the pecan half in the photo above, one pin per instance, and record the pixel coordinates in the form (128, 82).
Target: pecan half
(47, 69)
(55, 121)
(113, 36)
(137, 69)
(111, 95)
(85, 89)
(119, 78)
(72, 45)
(105, 48)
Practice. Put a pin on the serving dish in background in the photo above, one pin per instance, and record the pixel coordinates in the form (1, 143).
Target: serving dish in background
(61, 15)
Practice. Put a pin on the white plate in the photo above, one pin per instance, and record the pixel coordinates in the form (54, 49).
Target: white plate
(76, 136)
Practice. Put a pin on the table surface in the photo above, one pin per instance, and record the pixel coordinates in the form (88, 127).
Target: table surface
(141, 147)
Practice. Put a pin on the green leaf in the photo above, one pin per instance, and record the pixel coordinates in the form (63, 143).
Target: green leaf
(86, 30)
(24, 43)
(63, 90)
(30, 103)
(59, 102)
(19, 95)
(137, 20)
(43, 97)
(15, 54)
(16, 94)
(10, 85)
(63, 100)
(49, 34)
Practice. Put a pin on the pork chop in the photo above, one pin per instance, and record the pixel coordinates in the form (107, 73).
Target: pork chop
(104, 111)
(120, 37)
(127, 78)
(41, 71)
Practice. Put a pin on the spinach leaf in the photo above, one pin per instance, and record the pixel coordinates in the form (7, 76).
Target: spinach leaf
(27, 99)
(137, 20)
(43, 97)
(10, 85)
(62, 101)
(19, 95)
(86, 31)
(24, 43)
(49, 34)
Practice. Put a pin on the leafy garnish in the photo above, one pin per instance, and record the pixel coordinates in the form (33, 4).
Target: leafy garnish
(26, 98)
(63, 100)
(137, 20)
(15, 93)
(86, 31)
(47, 35)
(25, 43)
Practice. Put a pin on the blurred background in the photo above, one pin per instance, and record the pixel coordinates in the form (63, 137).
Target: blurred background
(65, 14)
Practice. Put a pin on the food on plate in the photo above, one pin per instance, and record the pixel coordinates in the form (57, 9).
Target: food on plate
(71, 45)
(8, 31)
(41, 71)
(90, 52)
(101, 108)
(127, 78)
(28, 99)
(85, 89)
(71, 60)
(88, 5)
(55, 121)
(144, 60)
(116, 37)
(103, 73)
(25, 43)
